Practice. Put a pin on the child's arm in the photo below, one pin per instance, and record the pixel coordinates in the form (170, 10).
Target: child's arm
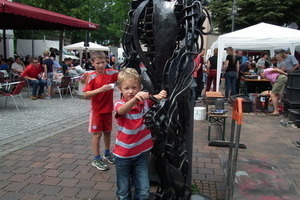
(140, 96)
(161, 95)
(91, 93)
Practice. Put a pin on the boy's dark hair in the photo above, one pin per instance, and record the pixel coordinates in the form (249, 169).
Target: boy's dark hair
(98, 54)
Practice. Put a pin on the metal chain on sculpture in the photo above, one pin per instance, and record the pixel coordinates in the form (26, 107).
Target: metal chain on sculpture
(160, 41)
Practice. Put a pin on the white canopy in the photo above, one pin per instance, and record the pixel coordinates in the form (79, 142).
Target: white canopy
(80, 47)
(261, 36)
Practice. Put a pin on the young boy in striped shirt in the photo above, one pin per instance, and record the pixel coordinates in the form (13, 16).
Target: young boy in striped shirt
(134, 140)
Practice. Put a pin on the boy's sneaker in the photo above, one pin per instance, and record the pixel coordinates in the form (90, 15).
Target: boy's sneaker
(110, 158)
(99, 164)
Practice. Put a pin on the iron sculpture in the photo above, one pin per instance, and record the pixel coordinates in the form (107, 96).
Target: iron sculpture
(160, 42)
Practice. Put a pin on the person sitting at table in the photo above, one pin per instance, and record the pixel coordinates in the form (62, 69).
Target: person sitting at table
(17, 67)
(278, 79)
(4, 67)
(263, 62)
(33, 74)
(246, 68)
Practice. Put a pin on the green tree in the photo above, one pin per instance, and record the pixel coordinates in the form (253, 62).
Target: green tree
(110, 15)
(251, 12)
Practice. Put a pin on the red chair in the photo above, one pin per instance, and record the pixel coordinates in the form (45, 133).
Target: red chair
(15, 92)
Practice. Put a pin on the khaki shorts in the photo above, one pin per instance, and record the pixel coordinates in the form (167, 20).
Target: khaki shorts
(278, 87)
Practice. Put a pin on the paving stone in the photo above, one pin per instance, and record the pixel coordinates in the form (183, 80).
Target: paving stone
(87, 193)
(37, 171)
(68, 182)
(5, 176)
(85, 184)
(12, 196)
(15, 186)
(35, 179)
(19, 177)
(51, 181)
(31, 197)
(50, 190)
(33, 188)
(68, 174)
(102, 186)
(68, 192)
(52, 172)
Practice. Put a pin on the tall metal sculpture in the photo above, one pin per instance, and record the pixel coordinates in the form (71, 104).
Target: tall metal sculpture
(160, 42)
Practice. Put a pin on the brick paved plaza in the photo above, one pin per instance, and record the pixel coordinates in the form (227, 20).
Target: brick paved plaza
(45, 153)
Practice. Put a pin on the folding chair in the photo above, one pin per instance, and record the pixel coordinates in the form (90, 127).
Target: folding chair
(15, 92)
(64, 85)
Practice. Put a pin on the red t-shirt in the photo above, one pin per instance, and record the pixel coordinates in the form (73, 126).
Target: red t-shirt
(102, 102)
(32, 71)
(199, 60)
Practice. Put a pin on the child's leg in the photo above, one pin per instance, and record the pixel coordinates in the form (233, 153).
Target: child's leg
(97, 162)
(140, 176)
(107, 136)
(96, 144)
(123, 173)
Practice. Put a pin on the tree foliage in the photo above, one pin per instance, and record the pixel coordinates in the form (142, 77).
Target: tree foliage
(278, 12)
(109, 14)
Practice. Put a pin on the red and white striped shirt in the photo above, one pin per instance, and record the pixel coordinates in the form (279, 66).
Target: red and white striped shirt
(133, 137)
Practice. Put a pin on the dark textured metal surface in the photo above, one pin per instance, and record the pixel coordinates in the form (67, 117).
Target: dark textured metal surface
(163, 37)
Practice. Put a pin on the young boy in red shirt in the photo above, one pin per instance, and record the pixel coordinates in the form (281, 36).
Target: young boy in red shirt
(134, 140)
(99, 88)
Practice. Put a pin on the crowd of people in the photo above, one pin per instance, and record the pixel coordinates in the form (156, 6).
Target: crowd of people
(236, 65)
(44, 71)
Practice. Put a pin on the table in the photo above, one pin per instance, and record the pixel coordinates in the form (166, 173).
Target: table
(9, 84)
(217, 120)
(256, 85)
(210, 98)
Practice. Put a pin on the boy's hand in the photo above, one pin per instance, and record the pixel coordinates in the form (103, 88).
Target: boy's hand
(105, 88)
(161, 95)
(141, 96)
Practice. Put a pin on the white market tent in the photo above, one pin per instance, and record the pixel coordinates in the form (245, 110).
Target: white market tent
(261, 36)
(80, 47)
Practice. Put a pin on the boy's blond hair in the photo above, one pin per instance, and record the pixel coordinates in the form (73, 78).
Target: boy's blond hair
(128, 74)
(98, 54)
(46, 53)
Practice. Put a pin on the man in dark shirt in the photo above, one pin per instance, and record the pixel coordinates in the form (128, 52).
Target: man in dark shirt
(245, 68)
(48, 68)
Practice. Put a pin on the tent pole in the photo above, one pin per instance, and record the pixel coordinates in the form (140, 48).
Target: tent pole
(32, 43)
(61, 37)
(4, 43)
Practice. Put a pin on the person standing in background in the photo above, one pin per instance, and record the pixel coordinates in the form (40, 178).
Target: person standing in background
(48, 69)
(263, 62)
(290, 63)
(231, 68)
(212, 71)
(198, 75)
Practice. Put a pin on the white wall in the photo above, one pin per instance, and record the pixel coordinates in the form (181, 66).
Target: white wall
(9, 43)
(24, 46)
